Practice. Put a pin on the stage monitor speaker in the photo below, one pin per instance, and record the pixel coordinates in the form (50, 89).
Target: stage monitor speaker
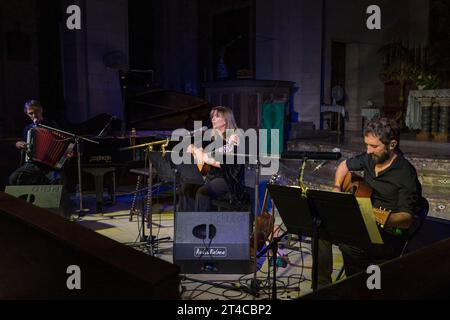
(51, 197)
(212, 242)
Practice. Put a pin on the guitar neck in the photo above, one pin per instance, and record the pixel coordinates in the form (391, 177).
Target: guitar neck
(381, 216)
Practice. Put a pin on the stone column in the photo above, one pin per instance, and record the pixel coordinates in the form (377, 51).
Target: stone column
(352, 86)
(425, 105)
(444, 115)
(434, 118)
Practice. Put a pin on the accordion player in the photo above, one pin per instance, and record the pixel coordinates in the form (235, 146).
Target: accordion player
(48, 147)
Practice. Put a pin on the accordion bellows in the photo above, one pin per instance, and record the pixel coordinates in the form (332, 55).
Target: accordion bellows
(48, 147)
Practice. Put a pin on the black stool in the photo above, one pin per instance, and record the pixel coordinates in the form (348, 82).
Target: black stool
(99, 174)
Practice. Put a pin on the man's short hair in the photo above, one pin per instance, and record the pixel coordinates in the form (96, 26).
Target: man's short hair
(385, 129)
(32, 104)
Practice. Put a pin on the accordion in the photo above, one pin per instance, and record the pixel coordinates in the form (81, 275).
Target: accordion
(48, 147)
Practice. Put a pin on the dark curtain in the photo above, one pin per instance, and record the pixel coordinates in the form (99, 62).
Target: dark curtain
(51, 88)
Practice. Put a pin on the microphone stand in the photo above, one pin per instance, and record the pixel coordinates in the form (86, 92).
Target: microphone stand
(150, 240)
(273, 246)
(106, 126)
(77, 139)
(254, 285)
(316, 228)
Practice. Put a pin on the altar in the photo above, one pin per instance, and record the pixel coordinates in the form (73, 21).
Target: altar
(429, 111)
(332, 118)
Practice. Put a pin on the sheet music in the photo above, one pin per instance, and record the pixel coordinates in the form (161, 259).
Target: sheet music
(365, 206)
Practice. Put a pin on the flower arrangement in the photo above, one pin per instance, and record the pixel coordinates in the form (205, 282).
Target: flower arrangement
(427, 81)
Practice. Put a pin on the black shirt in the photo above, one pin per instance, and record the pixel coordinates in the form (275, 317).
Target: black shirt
(395, 188)
(233, 173)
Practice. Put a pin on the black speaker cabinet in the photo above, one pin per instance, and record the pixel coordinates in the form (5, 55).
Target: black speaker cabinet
(51, 197)
(212, 242)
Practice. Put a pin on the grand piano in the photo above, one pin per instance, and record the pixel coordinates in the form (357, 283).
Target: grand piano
(150, 114)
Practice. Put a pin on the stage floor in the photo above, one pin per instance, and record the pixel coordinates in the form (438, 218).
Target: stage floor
(431, 160)
(293, 280)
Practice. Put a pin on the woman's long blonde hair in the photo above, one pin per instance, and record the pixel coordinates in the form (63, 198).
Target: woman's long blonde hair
(227, 113)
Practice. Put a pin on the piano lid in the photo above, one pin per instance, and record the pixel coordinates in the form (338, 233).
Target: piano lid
(151, 108)
(110, 127)
(93, 126)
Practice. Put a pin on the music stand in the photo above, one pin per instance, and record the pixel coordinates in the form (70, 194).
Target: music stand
(167, 174)
(177, 173)
(189, 173)
(331, 216)
(171, 173)
(162, 166)
(165, 171)
(149, 149)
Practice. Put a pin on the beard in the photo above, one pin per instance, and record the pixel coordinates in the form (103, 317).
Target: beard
(381, 157)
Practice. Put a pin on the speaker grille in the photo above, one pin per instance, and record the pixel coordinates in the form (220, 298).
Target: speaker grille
(226, 251)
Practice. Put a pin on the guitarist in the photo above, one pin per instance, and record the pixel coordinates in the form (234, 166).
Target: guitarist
(395, 187)
(221, 178)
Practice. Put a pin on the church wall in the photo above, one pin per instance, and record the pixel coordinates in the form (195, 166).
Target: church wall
(288, 47)
(346, 23)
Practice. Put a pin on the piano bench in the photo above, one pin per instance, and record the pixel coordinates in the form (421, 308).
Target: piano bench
(99, 174)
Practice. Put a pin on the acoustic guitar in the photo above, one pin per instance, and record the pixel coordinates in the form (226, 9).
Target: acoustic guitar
(264, 224)
(203, 168)
(355, 185)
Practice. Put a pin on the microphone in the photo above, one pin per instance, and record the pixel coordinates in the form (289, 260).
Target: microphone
(202, 129)
(107, 125)
(320, 165)
(311, 155)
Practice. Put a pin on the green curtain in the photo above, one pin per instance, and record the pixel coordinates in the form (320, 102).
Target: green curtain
(273, 115)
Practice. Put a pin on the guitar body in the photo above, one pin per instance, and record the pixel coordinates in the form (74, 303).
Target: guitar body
(203, 168)
(263, 226)
(355, 185)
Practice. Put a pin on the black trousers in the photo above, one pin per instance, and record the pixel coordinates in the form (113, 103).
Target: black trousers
(197, 198)
(356, 259)
(32, 174)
